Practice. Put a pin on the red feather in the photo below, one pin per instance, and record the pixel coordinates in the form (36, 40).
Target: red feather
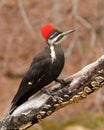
(46, 30)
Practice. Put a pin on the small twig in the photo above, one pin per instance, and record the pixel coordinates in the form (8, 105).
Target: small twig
(25, 17)
(84, 22)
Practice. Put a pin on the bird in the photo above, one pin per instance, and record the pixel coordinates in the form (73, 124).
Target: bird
(45, 67)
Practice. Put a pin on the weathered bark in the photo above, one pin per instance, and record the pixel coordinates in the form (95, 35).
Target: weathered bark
(79, 86)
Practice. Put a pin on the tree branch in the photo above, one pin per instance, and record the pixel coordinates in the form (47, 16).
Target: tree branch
(79, 86)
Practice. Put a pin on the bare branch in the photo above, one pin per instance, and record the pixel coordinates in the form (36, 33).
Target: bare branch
(79, 86)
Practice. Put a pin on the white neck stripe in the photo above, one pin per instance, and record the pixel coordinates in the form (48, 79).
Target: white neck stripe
(53, 54)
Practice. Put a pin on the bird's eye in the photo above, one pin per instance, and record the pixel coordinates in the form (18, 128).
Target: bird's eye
(54, 34)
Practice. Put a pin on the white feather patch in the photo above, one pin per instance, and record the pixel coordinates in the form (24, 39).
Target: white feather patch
(53, 54)
(29, 83)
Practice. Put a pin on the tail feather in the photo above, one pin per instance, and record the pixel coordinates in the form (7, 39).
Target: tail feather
(20, 98)
(17, 102)
(12, 109)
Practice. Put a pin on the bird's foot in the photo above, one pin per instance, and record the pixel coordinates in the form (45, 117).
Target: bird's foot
(61, 81)
(46, 91)
(49, 93)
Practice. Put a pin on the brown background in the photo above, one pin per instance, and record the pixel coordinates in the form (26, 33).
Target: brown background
(20, 40)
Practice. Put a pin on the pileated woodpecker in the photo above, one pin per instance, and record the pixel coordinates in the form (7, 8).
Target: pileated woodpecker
(45, 67)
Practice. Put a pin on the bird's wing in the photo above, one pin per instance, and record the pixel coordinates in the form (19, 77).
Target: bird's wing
(32, 76)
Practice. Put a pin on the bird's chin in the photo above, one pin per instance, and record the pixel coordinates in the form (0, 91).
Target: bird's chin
(59, 42)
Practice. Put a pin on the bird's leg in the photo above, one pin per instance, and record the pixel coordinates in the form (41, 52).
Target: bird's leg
(61, 81)
(45, 91)
(49, 93)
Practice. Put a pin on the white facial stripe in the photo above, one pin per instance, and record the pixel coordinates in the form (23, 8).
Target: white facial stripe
(56, 43)
(59, 38)
(53, 54)
(53, 41)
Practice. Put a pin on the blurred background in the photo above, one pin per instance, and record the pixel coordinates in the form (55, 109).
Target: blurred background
(20, 40)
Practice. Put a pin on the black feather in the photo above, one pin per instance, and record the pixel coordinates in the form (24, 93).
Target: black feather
(41, 72)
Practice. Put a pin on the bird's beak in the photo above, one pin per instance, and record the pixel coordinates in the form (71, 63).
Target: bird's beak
(67, 32)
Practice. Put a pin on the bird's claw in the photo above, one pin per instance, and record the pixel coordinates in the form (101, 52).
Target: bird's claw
(61, 81)
(46, 91)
